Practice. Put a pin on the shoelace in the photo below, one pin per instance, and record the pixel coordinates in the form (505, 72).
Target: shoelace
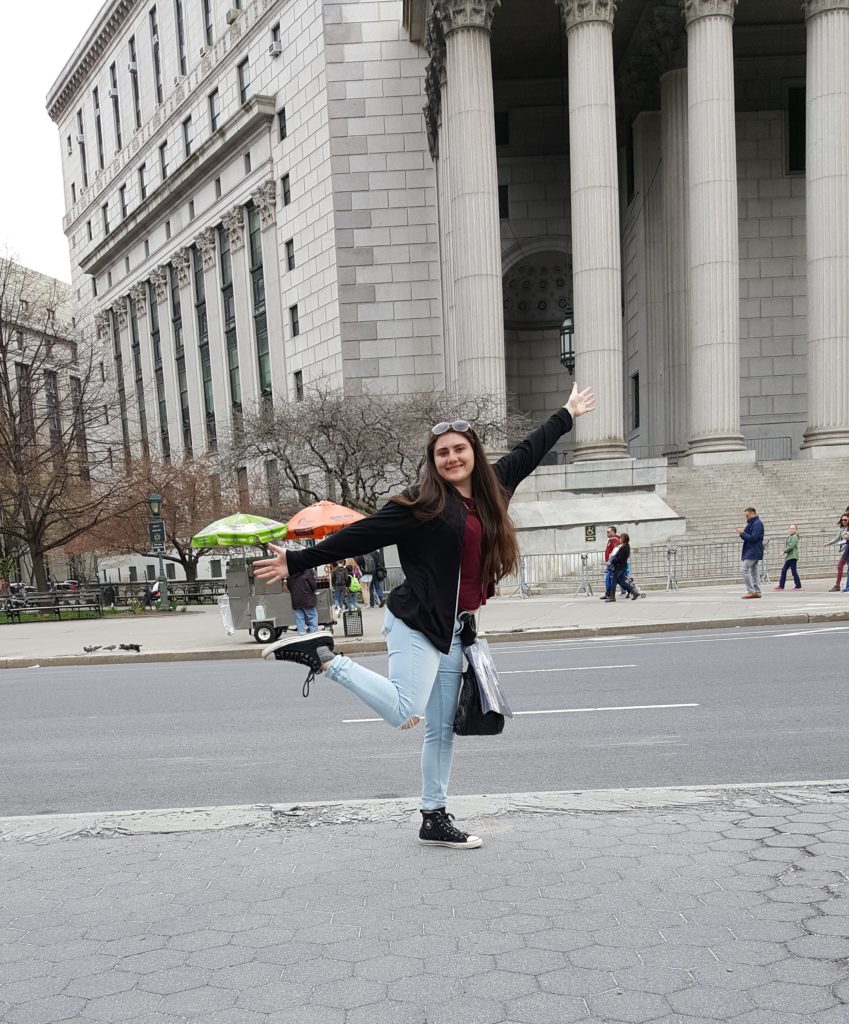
(307, 681)
(446, 821)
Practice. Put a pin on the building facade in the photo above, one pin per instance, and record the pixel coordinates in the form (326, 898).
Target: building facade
(409, 195)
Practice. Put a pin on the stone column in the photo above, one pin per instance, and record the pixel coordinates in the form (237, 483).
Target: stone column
(182, 260)
(469, 119)
(265, 200)
(827, 207)
(596, 263)
(160, 295)
(673, 132)
(234, 222)
(714, 364)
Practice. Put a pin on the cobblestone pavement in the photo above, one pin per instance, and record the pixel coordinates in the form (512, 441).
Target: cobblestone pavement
(734, 910)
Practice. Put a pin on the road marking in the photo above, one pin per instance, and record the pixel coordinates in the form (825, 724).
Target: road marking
(571, 668)
(810, 632)
(560, 711)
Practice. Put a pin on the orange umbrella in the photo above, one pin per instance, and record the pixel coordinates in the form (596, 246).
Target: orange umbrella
(318, 520)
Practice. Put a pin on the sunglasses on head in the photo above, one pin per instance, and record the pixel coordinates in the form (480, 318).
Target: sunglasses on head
(461, 426)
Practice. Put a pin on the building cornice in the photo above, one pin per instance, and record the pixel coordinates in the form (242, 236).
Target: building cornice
(257, 114)
(813, 7)
(89, 51)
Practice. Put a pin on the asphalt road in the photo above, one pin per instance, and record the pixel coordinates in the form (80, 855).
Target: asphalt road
(735, 706)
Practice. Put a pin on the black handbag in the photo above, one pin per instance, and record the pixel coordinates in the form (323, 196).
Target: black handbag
(470, 719)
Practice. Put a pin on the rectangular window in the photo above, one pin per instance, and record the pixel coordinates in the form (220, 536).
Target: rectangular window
(503, 202)
(275, 33)
(51, 401)
(242, 488)
(134, 574)
(70, 146)
(299, 385)
(167, 229)
(281, 123)
(116, 105)
(285, 190)
(170, 570)
(290, 254)
(126, 264)
(122, 201)
(180, 360)
(154, 47)
(502, 128)
(104, 213)
(272, 482)
(635, 401)
(294, 320)
(244, 71)
(163, 160)
(134, 81)
(191, 209)
(796, 130)
(214, 110)
(247, 163)
(98, 129)
(229, 324)
(217, 188)
(81, 144)
(208, 27)
(215, 565)
(187, 135)
(108, 279)
(89, 232)
(143, 182)
(181, 34)
(258, 296)
(146, 248)
(73, 193)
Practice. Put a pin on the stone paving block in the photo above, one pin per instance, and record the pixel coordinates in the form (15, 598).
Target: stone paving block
(736, 977)
(197, 1002)
(825, 947)
(388, 969)
(31, 988)
(276, 996)
(219, 955)
(175, 979)
(496, 984)
(350, 993)
(605, 958)
(546, 1008)
(388, 1012)
(628, 1005)
(836, 1015)
(658, 980)
(247, 975)
(91, 986)
(122, 1006)
(44, 1011)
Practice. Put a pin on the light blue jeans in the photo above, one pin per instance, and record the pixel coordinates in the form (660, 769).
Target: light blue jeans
(306, 620)
(422, 681)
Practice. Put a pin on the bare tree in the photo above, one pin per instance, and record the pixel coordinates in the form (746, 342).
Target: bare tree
(56, 478)
(358, 449)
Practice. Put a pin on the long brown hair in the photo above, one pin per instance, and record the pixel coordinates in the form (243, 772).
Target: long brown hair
(426, 500)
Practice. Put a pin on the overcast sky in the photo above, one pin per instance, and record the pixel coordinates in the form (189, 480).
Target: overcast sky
(37, 39)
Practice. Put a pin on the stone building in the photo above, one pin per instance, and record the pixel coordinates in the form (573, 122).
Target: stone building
(418, 194)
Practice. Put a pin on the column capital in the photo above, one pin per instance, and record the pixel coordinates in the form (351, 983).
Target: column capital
(119, 308)
(182, 260)
(205, 243)
(579, 12)
(138, 293)
(456, 14)
(695, 9)
(265, 200)
(159, 280)
(234, 224)
(103, 324)
(811, 8)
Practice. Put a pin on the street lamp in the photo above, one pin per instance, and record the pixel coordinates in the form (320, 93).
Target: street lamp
(156, 530)
(567, 340)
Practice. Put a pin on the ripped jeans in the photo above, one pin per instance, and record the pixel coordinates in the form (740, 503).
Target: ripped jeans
(422, 681)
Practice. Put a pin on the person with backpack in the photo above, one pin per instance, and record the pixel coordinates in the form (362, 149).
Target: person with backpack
(378, 575)
(455, 541)
(302, 589)
(339, 583)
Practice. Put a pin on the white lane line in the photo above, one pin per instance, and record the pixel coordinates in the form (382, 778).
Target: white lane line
(560, 711)
(570, 668)
(811, 632)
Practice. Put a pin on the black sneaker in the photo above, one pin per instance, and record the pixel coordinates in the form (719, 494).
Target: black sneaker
(437, 830)
(303, 650)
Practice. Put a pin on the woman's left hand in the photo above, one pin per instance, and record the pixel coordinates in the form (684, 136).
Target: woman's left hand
(580, 402)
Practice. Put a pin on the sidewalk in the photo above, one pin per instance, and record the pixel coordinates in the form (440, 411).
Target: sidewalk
(675, 906)
(199, 634)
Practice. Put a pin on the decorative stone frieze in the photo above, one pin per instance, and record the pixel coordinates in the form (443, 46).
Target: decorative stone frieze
(234, 224)
(103, 324)
(138, 293)
(814, 7)
(579, 12)
(119, 308)
(695, 9)
(205, 243)
(457, 14)
(159, 280)
(182, 260)
(264, 198)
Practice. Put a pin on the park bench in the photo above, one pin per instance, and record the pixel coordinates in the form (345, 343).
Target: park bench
(55, 605)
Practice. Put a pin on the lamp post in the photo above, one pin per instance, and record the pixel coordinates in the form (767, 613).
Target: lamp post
(156, 531)
(567, 346)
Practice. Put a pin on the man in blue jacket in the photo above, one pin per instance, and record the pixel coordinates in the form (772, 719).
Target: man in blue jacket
(752, 536)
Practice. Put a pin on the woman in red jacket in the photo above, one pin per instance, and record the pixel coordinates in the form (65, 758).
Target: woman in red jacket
(455, 540)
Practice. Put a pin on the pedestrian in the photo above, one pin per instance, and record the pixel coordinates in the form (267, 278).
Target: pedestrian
(302, 588)
(752, 536)
(339, 582)
(151, 594)
(375, 562)
(618, 570)
(355, 588)
(791, 557)
(612, 543)
(842, 549)
(455, 540)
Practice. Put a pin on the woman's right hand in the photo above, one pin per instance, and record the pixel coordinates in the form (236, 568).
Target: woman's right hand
(271, 569)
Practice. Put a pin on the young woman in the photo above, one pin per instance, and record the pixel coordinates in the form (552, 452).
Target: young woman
(619, 571)
(840, 542)
(455, 540)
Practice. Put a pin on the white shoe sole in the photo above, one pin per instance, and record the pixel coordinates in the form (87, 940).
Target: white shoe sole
(290, 641)
(473, 843)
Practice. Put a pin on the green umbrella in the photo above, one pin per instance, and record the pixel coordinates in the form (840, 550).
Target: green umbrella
(240, 530)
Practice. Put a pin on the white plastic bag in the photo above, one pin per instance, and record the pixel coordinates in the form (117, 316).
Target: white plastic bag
(492, 698)
(226, 614)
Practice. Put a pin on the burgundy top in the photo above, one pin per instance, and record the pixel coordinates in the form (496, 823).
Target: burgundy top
(472, 591)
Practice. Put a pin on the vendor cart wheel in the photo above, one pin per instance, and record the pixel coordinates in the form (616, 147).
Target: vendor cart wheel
(265, 634)
(279, 632)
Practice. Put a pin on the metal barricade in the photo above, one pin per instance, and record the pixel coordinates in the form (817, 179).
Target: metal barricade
(585, 586)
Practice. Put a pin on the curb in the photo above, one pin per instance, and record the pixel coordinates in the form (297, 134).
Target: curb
(505, 636)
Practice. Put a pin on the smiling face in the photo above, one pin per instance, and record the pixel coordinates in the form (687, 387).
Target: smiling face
(454, 461)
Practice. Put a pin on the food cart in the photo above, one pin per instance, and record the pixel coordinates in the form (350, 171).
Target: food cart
(264, 609)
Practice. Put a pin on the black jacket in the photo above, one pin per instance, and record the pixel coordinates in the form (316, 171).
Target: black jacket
(620, 557)
(302, 589)
(430, 550)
